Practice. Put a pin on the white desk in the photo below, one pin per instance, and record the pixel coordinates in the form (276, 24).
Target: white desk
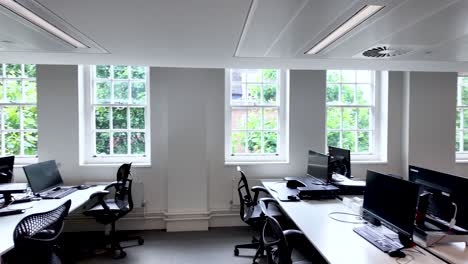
(454, 253)
(336, 241)
(8, 223)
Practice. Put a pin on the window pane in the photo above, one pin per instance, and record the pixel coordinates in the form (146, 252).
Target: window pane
(13, 70)
(103, 71)
(271, 140)
(138, 72)
(103, 93)
(1, 70)
(254, 76)
(270, 75)
(138, 143)
(30, 91)
(102, 117)
(333, 93)
(1, 89)
(464, 92)
(137, 117)
(13, 91)
(119, 117)
(363, 118)
(29, 117)
(30, 143)
(363, 96)
(270, 118)
(238, 118)
(121, 92)
(363, 142)
(349, 118)
(333, 76)
(102, 143)
(349, 140)
(30, 70)
(465, 116)
(465, 141)
(457, 142)
(348, 76)
(254, 93)
(120, 143)
(238, 75)
(120, 72)
(138, 93)
(255, 142)
(238, 140)
(269, 93)
(254, 118)
(333, 139)
(347, 93)
(458, 119)
(333, 118)
(238, 92)
(12, 117)
(12, 143)
(364, 77)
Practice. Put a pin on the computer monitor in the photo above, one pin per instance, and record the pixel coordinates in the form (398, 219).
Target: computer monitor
(43, 176)
(340, 160)
(317, 166)
(445, 189)
(6, 169)
(392, 202)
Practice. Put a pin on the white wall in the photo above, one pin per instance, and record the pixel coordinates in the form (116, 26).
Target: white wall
(188, 187)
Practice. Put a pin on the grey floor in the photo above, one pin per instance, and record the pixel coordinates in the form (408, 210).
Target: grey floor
(214, 246)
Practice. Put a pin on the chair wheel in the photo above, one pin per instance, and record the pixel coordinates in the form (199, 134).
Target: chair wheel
(119, 255)
(141, 241)
(236, 252)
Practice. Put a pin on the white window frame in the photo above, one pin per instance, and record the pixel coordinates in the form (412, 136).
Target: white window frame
(87, 150)
(19, 159)
(461, 156)
(378, 122)
(283, 125)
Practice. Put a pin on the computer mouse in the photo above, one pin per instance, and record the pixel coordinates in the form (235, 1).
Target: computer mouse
(293, 198)
(397, 254)
(82, 187)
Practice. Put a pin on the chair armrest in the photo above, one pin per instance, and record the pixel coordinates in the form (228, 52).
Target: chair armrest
(264, 202)
(257, 190)
(100, 195)
(111, 185)
(294, 238)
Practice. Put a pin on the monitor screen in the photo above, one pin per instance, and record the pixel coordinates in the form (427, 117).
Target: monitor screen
(391, 200)
(6, 169)
(317, 166)
(341, 158)
(445, 189)
(43, 176)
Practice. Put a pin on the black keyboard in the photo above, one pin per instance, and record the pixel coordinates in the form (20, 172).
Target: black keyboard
(58, 194)
(377, 239)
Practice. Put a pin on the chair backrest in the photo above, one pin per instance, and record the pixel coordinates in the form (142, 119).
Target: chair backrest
(275, 242)
(245, 197)
(123, 192)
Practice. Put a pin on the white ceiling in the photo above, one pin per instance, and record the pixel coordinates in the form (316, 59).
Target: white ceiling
(214, 33)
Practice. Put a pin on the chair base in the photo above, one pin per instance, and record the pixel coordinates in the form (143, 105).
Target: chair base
(113, 243)
(254, 245)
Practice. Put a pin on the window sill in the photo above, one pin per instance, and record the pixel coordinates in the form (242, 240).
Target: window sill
(116, 165)
(376, 162)
(462, 161)
(260, 162)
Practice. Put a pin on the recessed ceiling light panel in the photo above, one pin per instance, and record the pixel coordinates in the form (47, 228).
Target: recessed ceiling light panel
(354, 21)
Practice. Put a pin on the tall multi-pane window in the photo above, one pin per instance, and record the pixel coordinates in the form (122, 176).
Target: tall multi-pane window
(350, 117)
(118, 126)
(18, 96)
(256, 115)
(461, 146)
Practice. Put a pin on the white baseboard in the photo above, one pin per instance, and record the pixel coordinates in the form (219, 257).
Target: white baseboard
(171, 222)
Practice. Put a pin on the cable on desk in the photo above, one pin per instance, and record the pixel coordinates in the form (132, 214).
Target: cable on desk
(345, 221)
(399, 260)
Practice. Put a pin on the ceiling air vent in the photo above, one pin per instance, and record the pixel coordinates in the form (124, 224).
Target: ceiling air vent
(386, 51)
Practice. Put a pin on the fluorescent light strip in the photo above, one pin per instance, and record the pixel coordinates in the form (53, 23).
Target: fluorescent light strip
(40, 22)
(347, 26)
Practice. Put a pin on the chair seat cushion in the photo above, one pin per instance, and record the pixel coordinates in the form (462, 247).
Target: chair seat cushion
(111, 204)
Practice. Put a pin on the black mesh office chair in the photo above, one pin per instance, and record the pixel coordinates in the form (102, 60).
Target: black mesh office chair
(108, 211)
(36, 236)
(279, 244)
(251, 213)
